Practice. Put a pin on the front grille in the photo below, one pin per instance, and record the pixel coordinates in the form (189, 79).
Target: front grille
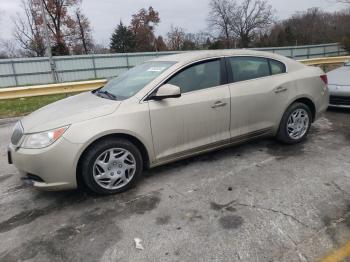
(340, 100)
(17, 133)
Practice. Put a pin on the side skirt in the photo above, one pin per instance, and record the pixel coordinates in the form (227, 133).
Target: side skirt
(214, 146)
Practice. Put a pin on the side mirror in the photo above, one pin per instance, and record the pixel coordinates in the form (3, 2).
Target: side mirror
(167, 91)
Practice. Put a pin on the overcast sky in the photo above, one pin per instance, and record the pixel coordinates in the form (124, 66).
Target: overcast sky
(189, 14)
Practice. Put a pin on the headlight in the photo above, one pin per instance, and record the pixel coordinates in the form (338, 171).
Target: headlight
(17, 134)
(42, 139)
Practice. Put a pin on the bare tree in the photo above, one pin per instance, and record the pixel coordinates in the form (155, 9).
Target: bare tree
(1, 15)
(250, 17)
(100, 49)
(28, 32)
(81, 41)
(202, 39)
(313, 26)
(60, 22)
(2, 51)
(176, 38)
(241, 21)
(143, 25)
(69, 30)
(8, 49)
(220, 18)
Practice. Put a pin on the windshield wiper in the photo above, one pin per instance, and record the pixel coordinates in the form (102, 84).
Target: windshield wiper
(106, 93)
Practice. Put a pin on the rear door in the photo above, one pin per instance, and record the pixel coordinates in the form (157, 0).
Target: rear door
(258, 94)
(199, 119)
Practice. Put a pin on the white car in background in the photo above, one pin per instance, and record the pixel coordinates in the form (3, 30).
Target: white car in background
(165, 110)
(339, 86)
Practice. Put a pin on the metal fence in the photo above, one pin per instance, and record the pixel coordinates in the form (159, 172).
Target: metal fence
(32, 71)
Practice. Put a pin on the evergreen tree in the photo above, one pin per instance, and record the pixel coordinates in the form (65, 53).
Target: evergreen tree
(160, 44)
(122, 40)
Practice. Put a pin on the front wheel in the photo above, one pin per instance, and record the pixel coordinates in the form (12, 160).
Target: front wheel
(111, 166)
(295, 124)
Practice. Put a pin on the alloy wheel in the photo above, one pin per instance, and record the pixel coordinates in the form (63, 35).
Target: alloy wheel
(298, 124)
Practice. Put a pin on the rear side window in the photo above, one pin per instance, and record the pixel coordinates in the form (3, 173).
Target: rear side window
(277, 67)
(199, 76)
(246, 68)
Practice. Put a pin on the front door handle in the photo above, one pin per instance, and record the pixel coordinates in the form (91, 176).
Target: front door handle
(219, 104)
(280, 89)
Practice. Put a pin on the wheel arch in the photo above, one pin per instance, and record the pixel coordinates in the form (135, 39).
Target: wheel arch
(137, 142)
(301, 99)
(307, 101)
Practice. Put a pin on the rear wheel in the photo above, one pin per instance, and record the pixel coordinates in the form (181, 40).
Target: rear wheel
(111, 166)
(295, 124)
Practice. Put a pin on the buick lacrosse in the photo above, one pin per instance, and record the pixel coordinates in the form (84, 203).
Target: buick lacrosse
(164, 110)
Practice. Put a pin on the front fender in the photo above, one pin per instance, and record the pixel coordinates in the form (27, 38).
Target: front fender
(135, 124)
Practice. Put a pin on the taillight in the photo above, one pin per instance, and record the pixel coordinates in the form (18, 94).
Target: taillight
(324, 79)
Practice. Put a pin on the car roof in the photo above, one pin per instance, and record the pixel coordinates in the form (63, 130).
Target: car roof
(191, 56)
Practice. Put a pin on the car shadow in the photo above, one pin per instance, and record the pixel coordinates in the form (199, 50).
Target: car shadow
(269, 145)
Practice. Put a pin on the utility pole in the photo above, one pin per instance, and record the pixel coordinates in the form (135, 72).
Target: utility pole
(47, 40)
(151, 26)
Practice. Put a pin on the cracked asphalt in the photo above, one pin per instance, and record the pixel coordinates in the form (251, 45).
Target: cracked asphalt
(261, 201)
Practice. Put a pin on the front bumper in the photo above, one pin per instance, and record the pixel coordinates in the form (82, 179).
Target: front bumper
(339, 101)
(51, 168)
(339, 96)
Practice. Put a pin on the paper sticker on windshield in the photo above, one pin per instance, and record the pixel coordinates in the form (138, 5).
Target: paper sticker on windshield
(156, 69)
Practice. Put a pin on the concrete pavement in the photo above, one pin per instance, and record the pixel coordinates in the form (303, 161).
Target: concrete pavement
(257, 202)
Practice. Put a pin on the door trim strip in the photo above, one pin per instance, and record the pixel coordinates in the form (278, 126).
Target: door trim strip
(213, 146)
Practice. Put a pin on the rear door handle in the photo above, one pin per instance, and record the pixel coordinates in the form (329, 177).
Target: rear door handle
(219, 104)
(280, 89)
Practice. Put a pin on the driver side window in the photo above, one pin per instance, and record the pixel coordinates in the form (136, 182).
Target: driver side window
(199, 76)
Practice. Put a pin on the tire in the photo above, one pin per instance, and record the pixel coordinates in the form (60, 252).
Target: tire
(285, 132)
(111, 166)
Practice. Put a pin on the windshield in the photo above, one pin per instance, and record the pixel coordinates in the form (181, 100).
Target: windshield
(132, 81)
(347, 63)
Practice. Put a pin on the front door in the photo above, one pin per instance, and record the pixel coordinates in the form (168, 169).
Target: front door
(199, 119)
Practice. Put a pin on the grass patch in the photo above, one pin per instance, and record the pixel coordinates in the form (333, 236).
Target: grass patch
(24, 106)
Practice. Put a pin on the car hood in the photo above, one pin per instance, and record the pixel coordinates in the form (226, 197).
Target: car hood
(73, 109)
(340, 76)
